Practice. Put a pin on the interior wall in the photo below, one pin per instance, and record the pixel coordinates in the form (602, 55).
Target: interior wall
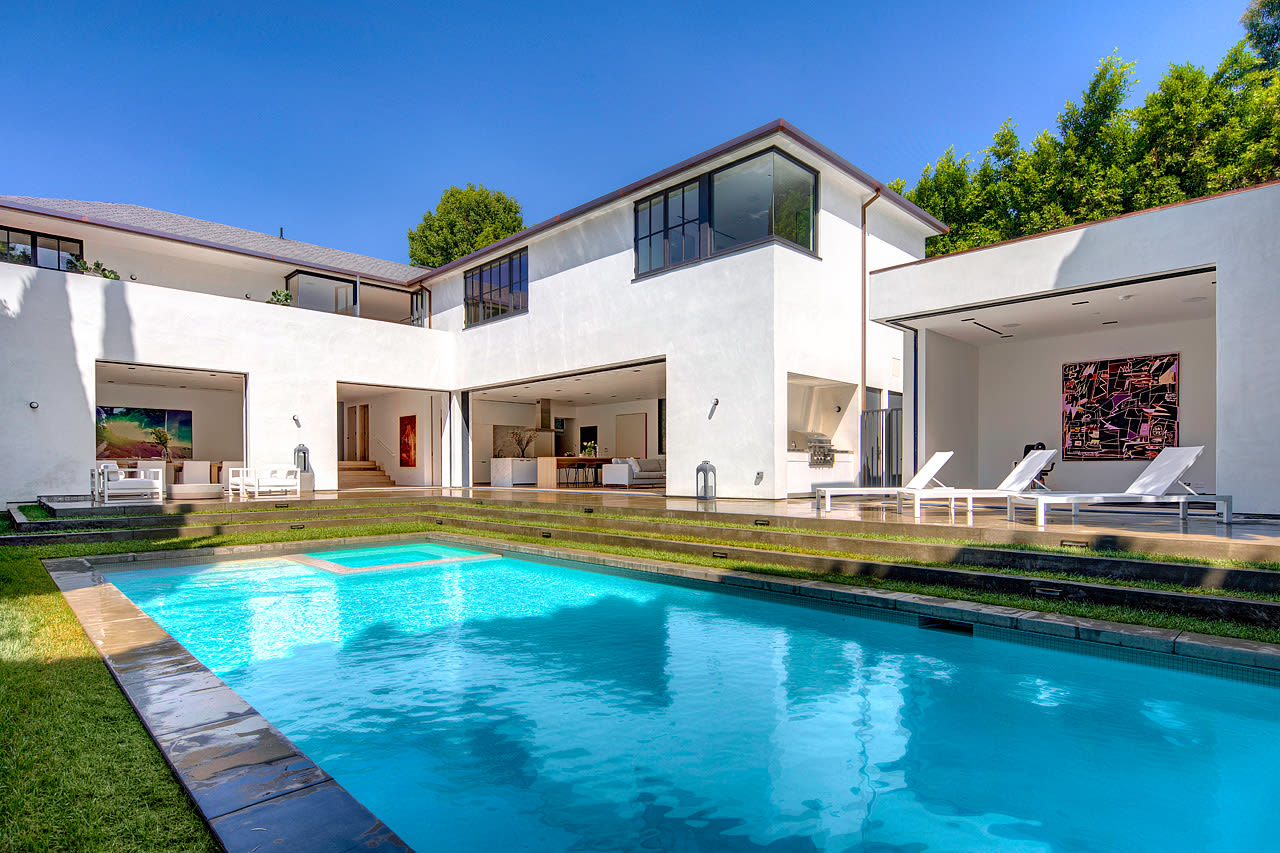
(1021, 400)
(949, 411)
(485, 414)
(603, 417)
(385, 411)
(217, 417)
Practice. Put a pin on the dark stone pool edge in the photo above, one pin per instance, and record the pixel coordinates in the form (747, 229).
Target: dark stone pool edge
(252, 786)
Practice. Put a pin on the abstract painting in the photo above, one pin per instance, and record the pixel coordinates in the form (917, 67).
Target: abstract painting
(1120, 408)
(134, 433)
(408, 441)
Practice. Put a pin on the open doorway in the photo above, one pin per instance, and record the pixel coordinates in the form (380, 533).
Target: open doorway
(577, 424)
(192, 420)
(389, 437)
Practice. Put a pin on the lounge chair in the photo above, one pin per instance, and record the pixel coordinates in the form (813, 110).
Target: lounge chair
(926, 475)
(265, 478)
(195, 482)
(1021, 478)
(1149, 488)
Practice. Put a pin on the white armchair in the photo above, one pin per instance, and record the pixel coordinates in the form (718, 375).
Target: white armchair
(145, 481)
(265, 478)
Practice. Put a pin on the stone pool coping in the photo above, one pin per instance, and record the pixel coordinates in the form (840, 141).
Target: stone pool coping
(255, 788)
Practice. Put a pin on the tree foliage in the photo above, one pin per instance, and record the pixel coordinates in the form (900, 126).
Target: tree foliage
(466, 219)
(1196, 133)
(1262, 22)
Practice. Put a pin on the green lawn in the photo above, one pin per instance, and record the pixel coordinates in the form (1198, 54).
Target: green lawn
(77, 769)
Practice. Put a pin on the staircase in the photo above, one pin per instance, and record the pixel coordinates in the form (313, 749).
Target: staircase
(363, 475)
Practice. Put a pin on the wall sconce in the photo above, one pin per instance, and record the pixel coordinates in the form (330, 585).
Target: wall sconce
(839, 409)
(33, 404)
(715, 401)
(297, 422)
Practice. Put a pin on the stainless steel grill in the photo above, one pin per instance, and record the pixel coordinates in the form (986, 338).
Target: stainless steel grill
(821, 453)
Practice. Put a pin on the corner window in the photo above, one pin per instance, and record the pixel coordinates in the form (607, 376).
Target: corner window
(497, 289)
(41, 250)
(765, 196)
(769, 195)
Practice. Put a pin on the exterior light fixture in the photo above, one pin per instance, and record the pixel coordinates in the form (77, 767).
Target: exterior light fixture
(714, 402)
(297, 422)
(33, 404)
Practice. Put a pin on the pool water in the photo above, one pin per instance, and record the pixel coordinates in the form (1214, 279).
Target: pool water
(508, 704)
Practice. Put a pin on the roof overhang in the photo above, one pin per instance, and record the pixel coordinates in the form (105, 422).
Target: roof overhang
(777, 127)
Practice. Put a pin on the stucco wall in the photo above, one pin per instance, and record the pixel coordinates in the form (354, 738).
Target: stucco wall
(54, 326)
(1234, 233)
(949, 411)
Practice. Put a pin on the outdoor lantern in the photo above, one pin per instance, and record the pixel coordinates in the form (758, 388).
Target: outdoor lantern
(705, 479)
(302, 459)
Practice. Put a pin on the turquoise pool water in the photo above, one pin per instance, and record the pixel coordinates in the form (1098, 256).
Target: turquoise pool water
(514, 705)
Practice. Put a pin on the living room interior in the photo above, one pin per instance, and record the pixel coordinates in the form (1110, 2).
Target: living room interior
(566, 431)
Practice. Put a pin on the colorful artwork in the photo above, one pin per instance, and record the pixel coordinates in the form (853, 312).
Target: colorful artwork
(129, 433)
(408, 441)
(1119, 408)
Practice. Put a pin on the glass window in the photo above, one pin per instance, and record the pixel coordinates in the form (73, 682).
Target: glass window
(69, 254)
(768, 195)
(667, 228)
(321, 293)
(497, 289)
(47, 253)
(20, 248)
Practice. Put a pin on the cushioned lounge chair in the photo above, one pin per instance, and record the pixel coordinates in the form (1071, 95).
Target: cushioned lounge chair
(1156, 479)
(144, 482)
(1022, 477)
(923, 478)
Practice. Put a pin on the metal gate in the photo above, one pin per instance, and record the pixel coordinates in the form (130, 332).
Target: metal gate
(882, 447)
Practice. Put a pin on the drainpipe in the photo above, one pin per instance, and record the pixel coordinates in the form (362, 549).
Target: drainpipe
(862, 386)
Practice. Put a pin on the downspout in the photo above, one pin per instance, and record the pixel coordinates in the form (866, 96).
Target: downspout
(862, 386)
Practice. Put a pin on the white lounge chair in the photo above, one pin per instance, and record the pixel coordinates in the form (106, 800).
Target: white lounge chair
(195, 482)
(923, 478)
(1021, 478)
(145, 481)
(265, 478)
(1149, 488)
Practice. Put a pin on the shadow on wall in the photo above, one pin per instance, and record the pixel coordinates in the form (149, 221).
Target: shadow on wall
(49, 449)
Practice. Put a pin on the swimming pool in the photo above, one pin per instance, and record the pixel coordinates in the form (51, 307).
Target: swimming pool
(494, 703)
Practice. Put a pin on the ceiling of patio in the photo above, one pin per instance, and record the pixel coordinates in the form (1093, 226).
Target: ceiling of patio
(116, 373)
(615, 385)
(1166, 300)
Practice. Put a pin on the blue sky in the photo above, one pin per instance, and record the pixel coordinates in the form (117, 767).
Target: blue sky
(344, 122)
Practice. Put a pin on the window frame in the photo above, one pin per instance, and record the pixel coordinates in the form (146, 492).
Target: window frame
(501, 284)
(706, 211)
(35, 247)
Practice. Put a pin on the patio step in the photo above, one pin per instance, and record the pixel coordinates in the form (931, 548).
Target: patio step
(363, 475)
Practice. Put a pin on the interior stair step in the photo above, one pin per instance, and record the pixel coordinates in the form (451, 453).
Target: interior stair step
(363, 475)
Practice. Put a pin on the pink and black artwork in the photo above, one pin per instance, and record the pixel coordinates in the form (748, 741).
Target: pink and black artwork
(1119, 408)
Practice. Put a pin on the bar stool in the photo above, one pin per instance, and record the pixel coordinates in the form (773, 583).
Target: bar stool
(579, 474)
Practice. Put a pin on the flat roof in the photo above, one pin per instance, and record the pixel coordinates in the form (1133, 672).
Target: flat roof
(778, 126)
(1067, 228)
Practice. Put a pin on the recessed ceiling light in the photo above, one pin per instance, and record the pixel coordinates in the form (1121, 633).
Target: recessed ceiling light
(1085, 302)
(111, 382)
(1111, 322)
(968, 319)
(1196, 299)
(1125, 297)
(577, 380)
(587, 393)
(637, 370)
(1011, 325)
(613, 395)
(133, 368)
(182, 386)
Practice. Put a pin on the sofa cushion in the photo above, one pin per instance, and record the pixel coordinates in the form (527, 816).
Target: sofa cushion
(650, 466)
(635, 466)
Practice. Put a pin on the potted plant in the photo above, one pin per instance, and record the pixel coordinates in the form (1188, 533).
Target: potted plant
(280, 296)
(589, 449)
(95, 268)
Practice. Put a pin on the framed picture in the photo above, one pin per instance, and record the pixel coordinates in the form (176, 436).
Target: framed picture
(124, 432)
(1120, 408)
(408, 441)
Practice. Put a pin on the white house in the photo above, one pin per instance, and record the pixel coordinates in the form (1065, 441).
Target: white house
(712, 311)
(996, 336)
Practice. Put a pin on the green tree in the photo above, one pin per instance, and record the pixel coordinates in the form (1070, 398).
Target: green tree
(465, 219)
(1262, 22)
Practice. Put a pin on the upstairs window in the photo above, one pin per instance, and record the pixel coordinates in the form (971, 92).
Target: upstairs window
(41, 250)
(764, 197)
(497, 288)
(769, 195)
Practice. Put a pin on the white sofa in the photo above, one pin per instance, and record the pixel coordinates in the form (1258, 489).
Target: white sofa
(634, 472)
(264, 478)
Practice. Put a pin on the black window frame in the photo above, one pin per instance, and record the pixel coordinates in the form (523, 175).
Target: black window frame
(706, 213)
(496, 289)
(34, 237)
